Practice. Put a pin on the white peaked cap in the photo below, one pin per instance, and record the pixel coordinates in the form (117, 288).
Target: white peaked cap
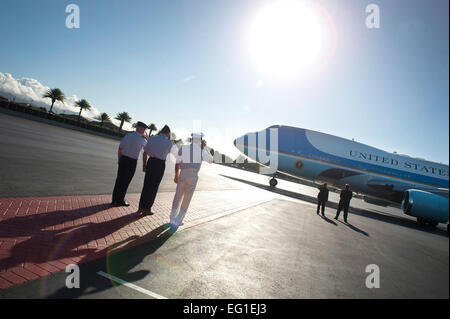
(197, 135)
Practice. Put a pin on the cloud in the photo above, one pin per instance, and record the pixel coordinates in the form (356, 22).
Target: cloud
(188, 79)
(27, 90)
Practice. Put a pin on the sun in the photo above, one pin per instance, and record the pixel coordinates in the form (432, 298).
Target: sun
(285, 38)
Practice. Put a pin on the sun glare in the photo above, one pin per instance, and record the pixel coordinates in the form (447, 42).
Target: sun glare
(285, 38)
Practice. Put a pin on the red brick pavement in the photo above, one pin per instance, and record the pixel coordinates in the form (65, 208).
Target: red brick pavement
(40, 236)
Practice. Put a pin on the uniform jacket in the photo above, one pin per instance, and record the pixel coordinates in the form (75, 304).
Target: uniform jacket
(323, 193)
(346, 195)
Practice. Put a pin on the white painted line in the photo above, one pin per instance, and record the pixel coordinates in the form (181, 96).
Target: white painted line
(130, 285)
(213, 217)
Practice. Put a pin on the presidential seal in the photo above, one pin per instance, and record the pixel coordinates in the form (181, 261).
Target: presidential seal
(298, 165)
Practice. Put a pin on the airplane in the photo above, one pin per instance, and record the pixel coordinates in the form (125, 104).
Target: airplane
(421, 187)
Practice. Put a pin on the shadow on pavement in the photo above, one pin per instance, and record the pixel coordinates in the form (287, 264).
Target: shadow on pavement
(325, 218)
(361, 212)
(118, 263)
(49, 240)
(356, 229)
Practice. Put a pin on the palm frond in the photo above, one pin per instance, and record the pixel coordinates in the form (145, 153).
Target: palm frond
(104, 117)
(83, 104)
(123, 116)
(54, 94)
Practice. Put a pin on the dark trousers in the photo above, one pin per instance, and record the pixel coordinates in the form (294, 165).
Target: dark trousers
(125, 173)
(153, 177)
(321, 203)
(343, 206)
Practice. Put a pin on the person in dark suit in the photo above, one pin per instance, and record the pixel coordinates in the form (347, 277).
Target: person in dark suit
(344, 202)
(129, 149)
(322, 198)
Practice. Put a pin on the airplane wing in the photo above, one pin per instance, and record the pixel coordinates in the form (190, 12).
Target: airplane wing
(392, 189)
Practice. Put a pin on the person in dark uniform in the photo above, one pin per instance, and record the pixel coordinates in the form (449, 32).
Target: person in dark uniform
(344, 202)
(129, 149)
(322, 198)
(157, 148)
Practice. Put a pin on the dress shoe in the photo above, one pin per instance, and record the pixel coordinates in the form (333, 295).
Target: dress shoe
(121, 204)
(145, 211)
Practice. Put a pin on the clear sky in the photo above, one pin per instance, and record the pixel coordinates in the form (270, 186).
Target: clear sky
(181, 61)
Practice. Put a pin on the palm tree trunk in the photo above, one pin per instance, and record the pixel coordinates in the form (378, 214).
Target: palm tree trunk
(79, 115)
(51, 107)
(101, 124)
(120, 127)
(150, 134)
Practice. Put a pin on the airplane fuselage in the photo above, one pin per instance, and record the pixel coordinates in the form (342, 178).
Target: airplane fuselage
(322, 157)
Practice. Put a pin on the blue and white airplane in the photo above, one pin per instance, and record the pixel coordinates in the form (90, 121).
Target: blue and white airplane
(420, 186)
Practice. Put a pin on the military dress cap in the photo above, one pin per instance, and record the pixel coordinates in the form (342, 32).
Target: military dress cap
(140, 124)
(197, 135)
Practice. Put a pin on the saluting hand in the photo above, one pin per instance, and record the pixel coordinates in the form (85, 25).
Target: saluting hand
(176, 179)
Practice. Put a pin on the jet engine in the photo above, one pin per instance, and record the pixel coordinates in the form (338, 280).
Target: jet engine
(427, 207)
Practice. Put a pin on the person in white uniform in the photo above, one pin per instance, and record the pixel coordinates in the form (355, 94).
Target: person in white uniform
(189, 161)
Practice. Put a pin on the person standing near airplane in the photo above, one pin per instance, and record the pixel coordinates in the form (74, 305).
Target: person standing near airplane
(322, 198)
(344, 202)
(158, 147)
(189, 161)
(129, 149)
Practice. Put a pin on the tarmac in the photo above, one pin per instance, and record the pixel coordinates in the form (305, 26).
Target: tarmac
(240, 239)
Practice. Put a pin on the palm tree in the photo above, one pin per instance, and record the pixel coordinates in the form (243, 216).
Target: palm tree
(152, 127)
(123, 117)
(173, 137)
(83, 105)
(56, 95)
(103, 118)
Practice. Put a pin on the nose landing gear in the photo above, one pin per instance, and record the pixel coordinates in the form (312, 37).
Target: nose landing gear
(273, 182)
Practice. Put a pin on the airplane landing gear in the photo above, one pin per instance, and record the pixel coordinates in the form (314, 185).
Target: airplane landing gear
(433, 224)
(424, 222)
(421, 221)
(273, 182)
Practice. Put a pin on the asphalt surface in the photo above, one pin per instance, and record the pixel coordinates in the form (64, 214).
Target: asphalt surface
(278, 249)
(38, 159)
